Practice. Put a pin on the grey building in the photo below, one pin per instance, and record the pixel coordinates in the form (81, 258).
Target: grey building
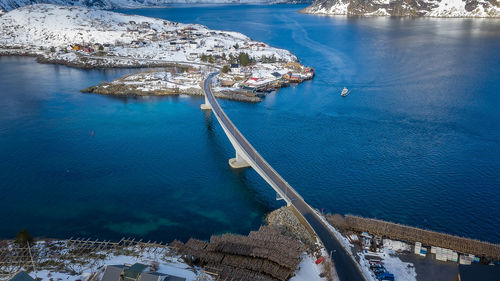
(136, 272)
(21, 276)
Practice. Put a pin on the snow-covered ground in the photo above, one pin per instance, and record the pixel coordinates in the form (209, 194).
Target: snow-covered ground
(402, 271)
(89, 38)
(71, 260)
(171, 81)
(427, 8)
(109, 4)
(82, 35)
(87, 263)
(308, 270)
(171, 267)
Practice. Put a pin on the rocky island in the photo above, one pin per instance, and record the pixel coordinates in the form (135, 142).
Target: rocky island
(88, 38)
(400, 8)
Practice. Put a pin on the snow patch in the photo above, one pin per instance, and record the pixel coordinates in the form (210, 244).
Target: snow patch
(308, 270)
(403, 271)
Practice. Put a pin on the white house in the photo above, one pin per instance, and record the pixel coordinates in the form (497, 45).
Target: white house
(192, 56)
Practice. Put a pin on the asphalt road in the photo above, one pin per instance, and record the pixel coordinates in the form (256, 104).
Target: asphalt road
(345, 265)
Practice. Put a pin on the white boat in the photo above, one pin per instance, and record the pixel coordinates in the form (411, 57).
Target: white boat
(344, 92)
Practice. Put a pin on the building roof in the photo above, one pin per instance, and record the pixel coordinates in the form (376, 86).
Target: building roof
(153, 276)
(113, 272)
(134, 271)
(174, 278)
(479, 272)
(21, 276)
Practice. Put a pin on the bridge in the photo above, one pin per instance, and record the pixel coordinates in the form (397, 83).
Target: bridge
(247, 156)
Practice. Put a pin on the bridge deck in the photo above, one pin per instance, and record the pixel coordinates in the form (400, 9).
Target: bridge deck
(347, 268)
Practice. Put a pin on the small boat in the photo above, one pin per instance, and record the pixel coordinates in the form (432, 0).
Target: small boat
(344, 92)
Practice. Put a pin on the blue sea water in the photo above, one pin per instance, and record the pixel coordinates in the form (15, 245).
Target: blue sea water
(417, 141)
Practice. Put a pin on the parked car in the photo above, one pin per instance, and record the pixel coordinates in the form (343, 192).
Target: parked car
(386, 276)
(379, 270)
(376, 265)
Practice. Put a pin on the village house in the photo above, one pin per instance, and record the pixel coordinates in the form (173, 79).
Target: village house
(172, 46)
(192, 56)
(152, 34)
(145, 25)
(21, 276)
(97, 46)
(193, 44)
(88, 50)
(132, 26)
(107, 47)
(293, 77)
(137, 44)
(276, 75)
(257, 46)
(218, 48)
(76, 47)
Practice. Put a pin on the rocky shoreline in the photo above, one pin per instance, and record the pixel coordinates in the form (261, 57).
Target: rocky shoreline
(84, 62)
(110, 89)
(277, 251)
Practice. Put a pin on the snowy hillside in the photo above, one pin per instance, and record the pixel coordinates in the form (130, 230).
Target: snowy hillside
(8, 5)
(426, 8)
(83, 36)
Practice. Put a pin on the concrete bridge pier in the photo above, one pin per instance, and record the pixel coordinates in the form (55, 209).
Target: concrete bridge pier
(206, 105)
(238, 162)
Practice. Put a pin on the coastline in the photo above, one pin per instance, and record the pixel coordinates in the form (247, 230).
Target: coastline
(113, 40)
(85, 258)
(448, 9)
(221, 255)
(106, 88)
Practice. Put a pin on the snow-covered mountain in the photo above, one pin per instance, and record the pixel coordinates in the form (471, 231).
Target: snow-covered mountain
(427, 8)
(8, 5)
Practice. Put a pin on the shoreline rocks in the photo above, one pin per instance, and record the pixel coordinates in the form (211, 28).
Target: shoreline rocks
(165, 82)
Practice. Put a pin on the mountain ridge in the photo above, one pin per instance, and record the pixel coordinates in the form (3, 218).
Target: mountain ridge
(401, 8)
(8, 5)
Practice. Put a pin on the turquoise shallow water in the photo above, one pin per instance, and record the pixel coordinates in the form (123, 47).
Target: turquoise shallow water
(417, 141)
